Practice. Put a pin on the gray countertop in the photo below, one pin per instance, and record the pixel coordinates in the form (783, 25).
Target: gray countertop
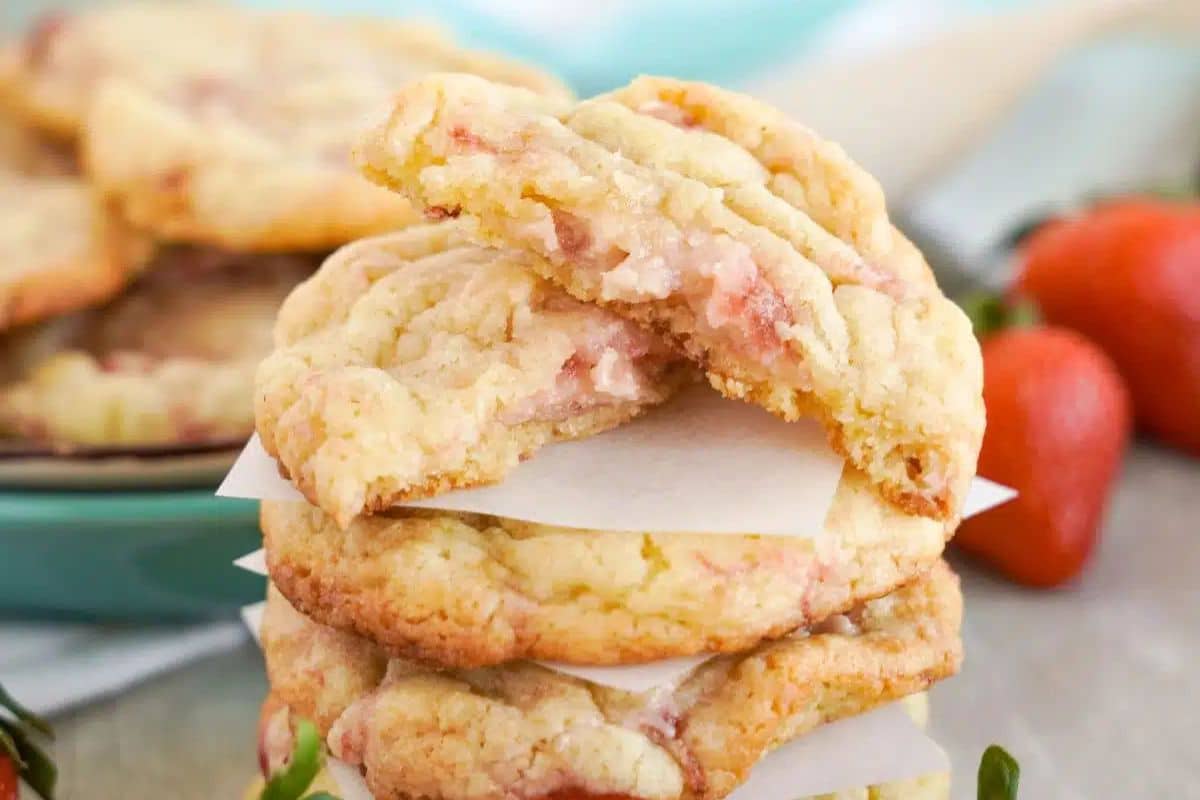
(1094, 687)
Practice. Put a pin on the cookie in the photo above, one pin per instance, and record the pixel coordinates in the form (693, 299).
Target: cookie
(59, 248)
(211, 124)
(25, 152)
(417, 362)
(275, 743)
(171, 361)
(468, 590)
(763, 252)
(524, 731)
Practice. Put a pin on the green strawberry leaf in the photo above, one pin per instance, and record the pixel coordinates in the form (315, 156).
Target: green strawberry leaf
(34, 766)
(8, 747)
(17, 734)
(999, 774)
(26, 716)
(990, 313)
(290, 782)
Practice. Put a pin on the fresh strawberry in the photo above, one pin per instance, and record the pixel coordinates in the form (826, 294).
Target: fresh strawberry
(9, 787)
(1058, 423)
(1127, 276)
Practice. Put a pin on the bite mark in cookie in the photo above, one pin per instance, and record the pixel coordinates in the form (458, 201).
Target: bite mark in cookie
(419, 361)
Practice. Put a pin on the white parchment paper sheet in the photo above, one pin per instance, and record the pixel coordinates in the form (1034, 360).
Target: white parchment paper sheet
(699, 464)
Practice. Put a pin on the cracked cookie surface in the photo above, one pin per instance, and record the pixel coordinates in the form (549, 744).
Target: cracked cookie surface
(170, 361)
(762, 251)
(417, 362)
(522, 730)
(468, 590)
(216, 125)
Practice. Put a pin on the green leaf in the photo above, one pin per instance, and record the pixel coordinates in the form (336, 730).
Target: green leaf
(26, 716)
(290, 782)
(990, 313)
(8, 747)
(36, 768)
(999, 774)
(321, 796)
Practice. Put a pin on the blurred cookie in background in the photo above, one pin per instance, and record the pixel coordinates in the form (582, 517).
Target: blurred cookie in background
(222, 126)
(25, 151)
(60, 249)
(172, 361)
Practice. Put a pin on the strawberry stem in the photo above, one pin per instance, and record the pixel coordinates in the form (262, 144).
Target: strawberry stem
(990, 313)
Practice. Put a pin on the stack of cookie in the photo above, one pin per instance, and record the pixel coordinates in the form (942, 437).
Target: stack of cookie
(583, 264)
(170, 173)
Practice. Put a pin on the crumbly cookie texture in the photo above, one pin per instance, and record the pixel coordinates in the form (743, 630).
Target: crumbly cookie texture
(416, 362)
(521, 730)
(762, 251)
(467, 590)
(212, 124)
(276, 726)
(170, 361)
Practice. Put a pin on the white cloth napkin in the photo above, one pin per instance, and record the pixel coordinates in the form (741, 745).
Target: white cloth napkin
(52, 667)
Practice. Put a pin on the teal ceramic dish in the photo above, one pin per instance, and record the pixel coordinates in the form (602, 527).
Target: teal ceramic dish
(150, 555)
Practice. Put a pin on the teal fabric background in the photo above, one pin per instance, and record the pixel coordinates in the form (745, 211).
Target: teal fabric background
(718, 42)
(715, 40)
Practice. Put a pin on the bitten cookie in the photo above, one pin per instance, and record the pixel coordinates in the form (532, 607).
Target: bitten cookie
(170, 361)
(417, 362)
(467, 590)
(761, 250)
(524, 731)
(217, 125)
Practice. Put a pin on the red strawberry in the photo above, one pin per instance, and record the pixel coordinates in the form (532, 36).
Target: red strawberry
(1058, 424)
(1127, 276)
(9, 787)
